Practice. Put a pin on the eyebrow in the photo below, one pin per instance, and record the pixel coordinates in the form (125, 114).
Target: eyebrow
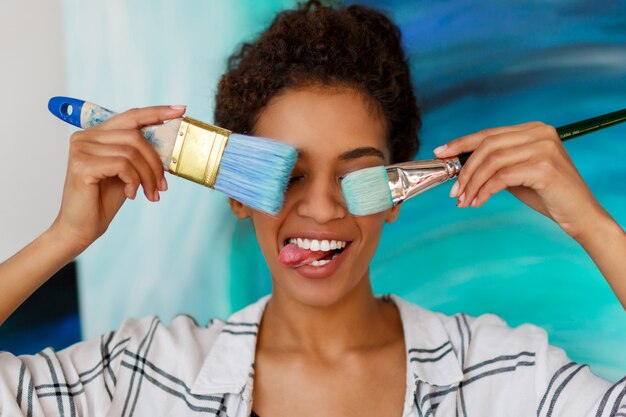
(360, 152)
(355, 153)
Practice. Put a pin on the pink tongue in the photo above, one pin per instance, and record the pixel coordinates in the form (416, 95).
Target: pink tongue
(291, 255)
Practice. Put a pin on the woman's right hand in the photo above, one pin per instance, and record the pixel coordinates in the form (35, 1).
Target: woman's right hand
(106, 165)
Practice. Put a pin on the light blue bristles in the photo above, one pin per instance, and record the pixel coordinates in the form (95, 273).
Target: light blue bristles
(366, 191)
(256, 171)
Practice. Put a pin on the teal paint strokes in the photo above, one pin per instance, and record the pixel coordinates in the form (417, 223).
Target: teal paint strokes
(149, 134)
(173, 256)
(97, 116)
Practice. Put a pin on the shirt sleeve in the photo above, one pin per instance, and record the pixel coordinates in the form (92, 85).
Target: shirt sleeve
(566, 388)
(77, 381)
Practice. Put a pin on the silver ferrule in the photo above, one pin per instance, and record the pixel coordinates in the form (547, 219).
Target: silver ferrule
(408, 179)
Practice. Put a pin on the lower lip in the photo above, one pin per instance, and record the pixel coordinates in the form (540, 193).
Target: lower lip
(324, 271)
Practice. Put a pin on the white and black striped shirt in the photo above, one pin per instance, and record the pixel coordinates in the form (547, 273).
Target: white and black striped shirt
(456, 365)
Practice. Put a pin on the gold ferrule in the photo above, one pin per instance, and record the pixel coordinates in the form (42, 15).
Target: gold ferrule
(198, 151)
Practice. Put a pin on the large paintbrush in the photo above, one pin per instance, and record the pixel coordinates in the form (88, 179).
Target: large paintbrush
(252, 170)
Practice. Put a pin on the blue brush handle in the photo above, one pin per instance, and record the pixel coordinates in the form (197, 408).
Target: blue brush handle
(79, 113)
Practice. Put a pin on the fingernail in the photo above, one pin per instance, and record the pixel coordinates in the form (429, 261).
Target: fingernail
(461, 199)
(156, 196)
(454, 190)
(178, 107)
(474, 202)
(440, 149)
(163, 184)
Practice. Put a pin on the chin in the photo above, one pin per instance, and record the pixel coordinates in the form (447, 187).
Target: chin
(316, 293)
(317, 299)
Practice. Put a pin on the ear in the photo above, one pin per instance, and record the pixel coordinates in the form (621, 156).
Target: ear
(392, 214)
(241, 210)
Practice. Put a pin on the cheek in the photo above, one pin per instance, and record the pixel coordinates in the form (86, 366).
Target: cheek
(293, 194)
(265, 227)
(371, 226)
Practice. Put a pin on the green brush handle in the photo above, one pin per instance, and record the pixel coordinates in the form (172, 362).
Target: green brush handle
(578, 128)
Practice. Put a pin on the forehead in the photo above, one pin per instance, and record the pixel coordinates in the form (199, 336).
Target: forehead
(323, 121)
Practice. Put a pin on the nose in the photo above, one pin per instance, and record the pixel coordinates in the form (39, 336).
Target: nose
(322, 201)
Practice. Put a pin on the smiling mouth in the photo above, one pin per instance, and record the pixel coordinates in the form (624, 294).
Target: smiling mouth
(298, 252)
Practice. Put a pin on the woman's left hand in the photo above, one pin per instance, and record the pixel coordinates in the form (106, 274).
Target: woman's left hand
(528, 160)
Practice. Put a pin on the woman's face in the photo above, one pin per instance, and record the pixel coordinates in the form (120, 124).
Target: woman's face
(336, 131)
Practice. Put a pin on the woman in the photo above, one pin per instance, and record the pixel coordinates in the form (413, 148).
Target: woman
(335, 84)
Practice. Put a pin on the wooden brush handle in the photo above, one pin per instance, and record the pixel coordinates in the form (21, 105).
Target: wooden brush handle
(84, 114)
(583, 127)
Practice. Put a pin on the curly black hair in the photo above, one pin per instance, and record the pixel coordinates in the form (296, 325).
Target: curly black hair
(316, 44)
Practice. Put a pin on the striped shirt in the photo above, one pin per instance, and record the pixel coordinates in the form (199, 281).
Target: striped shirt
(456, 365)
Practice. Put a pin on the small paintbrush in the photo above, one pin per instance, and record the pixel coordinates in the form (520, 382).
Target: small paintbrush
(252, 170)
(375, 189)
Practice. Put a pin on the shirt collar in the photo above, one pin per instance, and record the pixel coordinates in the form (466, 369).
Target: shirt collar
(430, 356)
(230, 362)
(229, 365)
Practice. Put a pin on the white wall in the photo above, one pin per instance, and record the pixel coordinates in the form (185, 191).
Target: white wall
(33, 144)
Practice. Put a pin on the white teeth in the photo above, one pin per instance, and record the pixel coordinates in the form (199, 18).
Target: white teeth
(323, 262)
(318, 245)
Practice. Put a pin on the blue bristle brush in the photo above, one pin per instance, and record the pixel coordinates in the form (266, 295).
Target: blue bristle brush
(372, 190)
(252, 170)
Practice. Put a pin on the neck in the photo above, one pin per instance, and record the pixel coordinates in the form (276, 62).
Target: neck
(356, 321)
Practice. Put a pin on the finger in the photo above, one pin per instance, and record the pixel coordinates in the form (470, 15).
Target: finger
(135, 139)
(125, 172)
(488, 154)
(470, 142)
(141, 117)
(131, 180)
(496, 161)
(119, 154)
(95, 169)
(511, 176)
